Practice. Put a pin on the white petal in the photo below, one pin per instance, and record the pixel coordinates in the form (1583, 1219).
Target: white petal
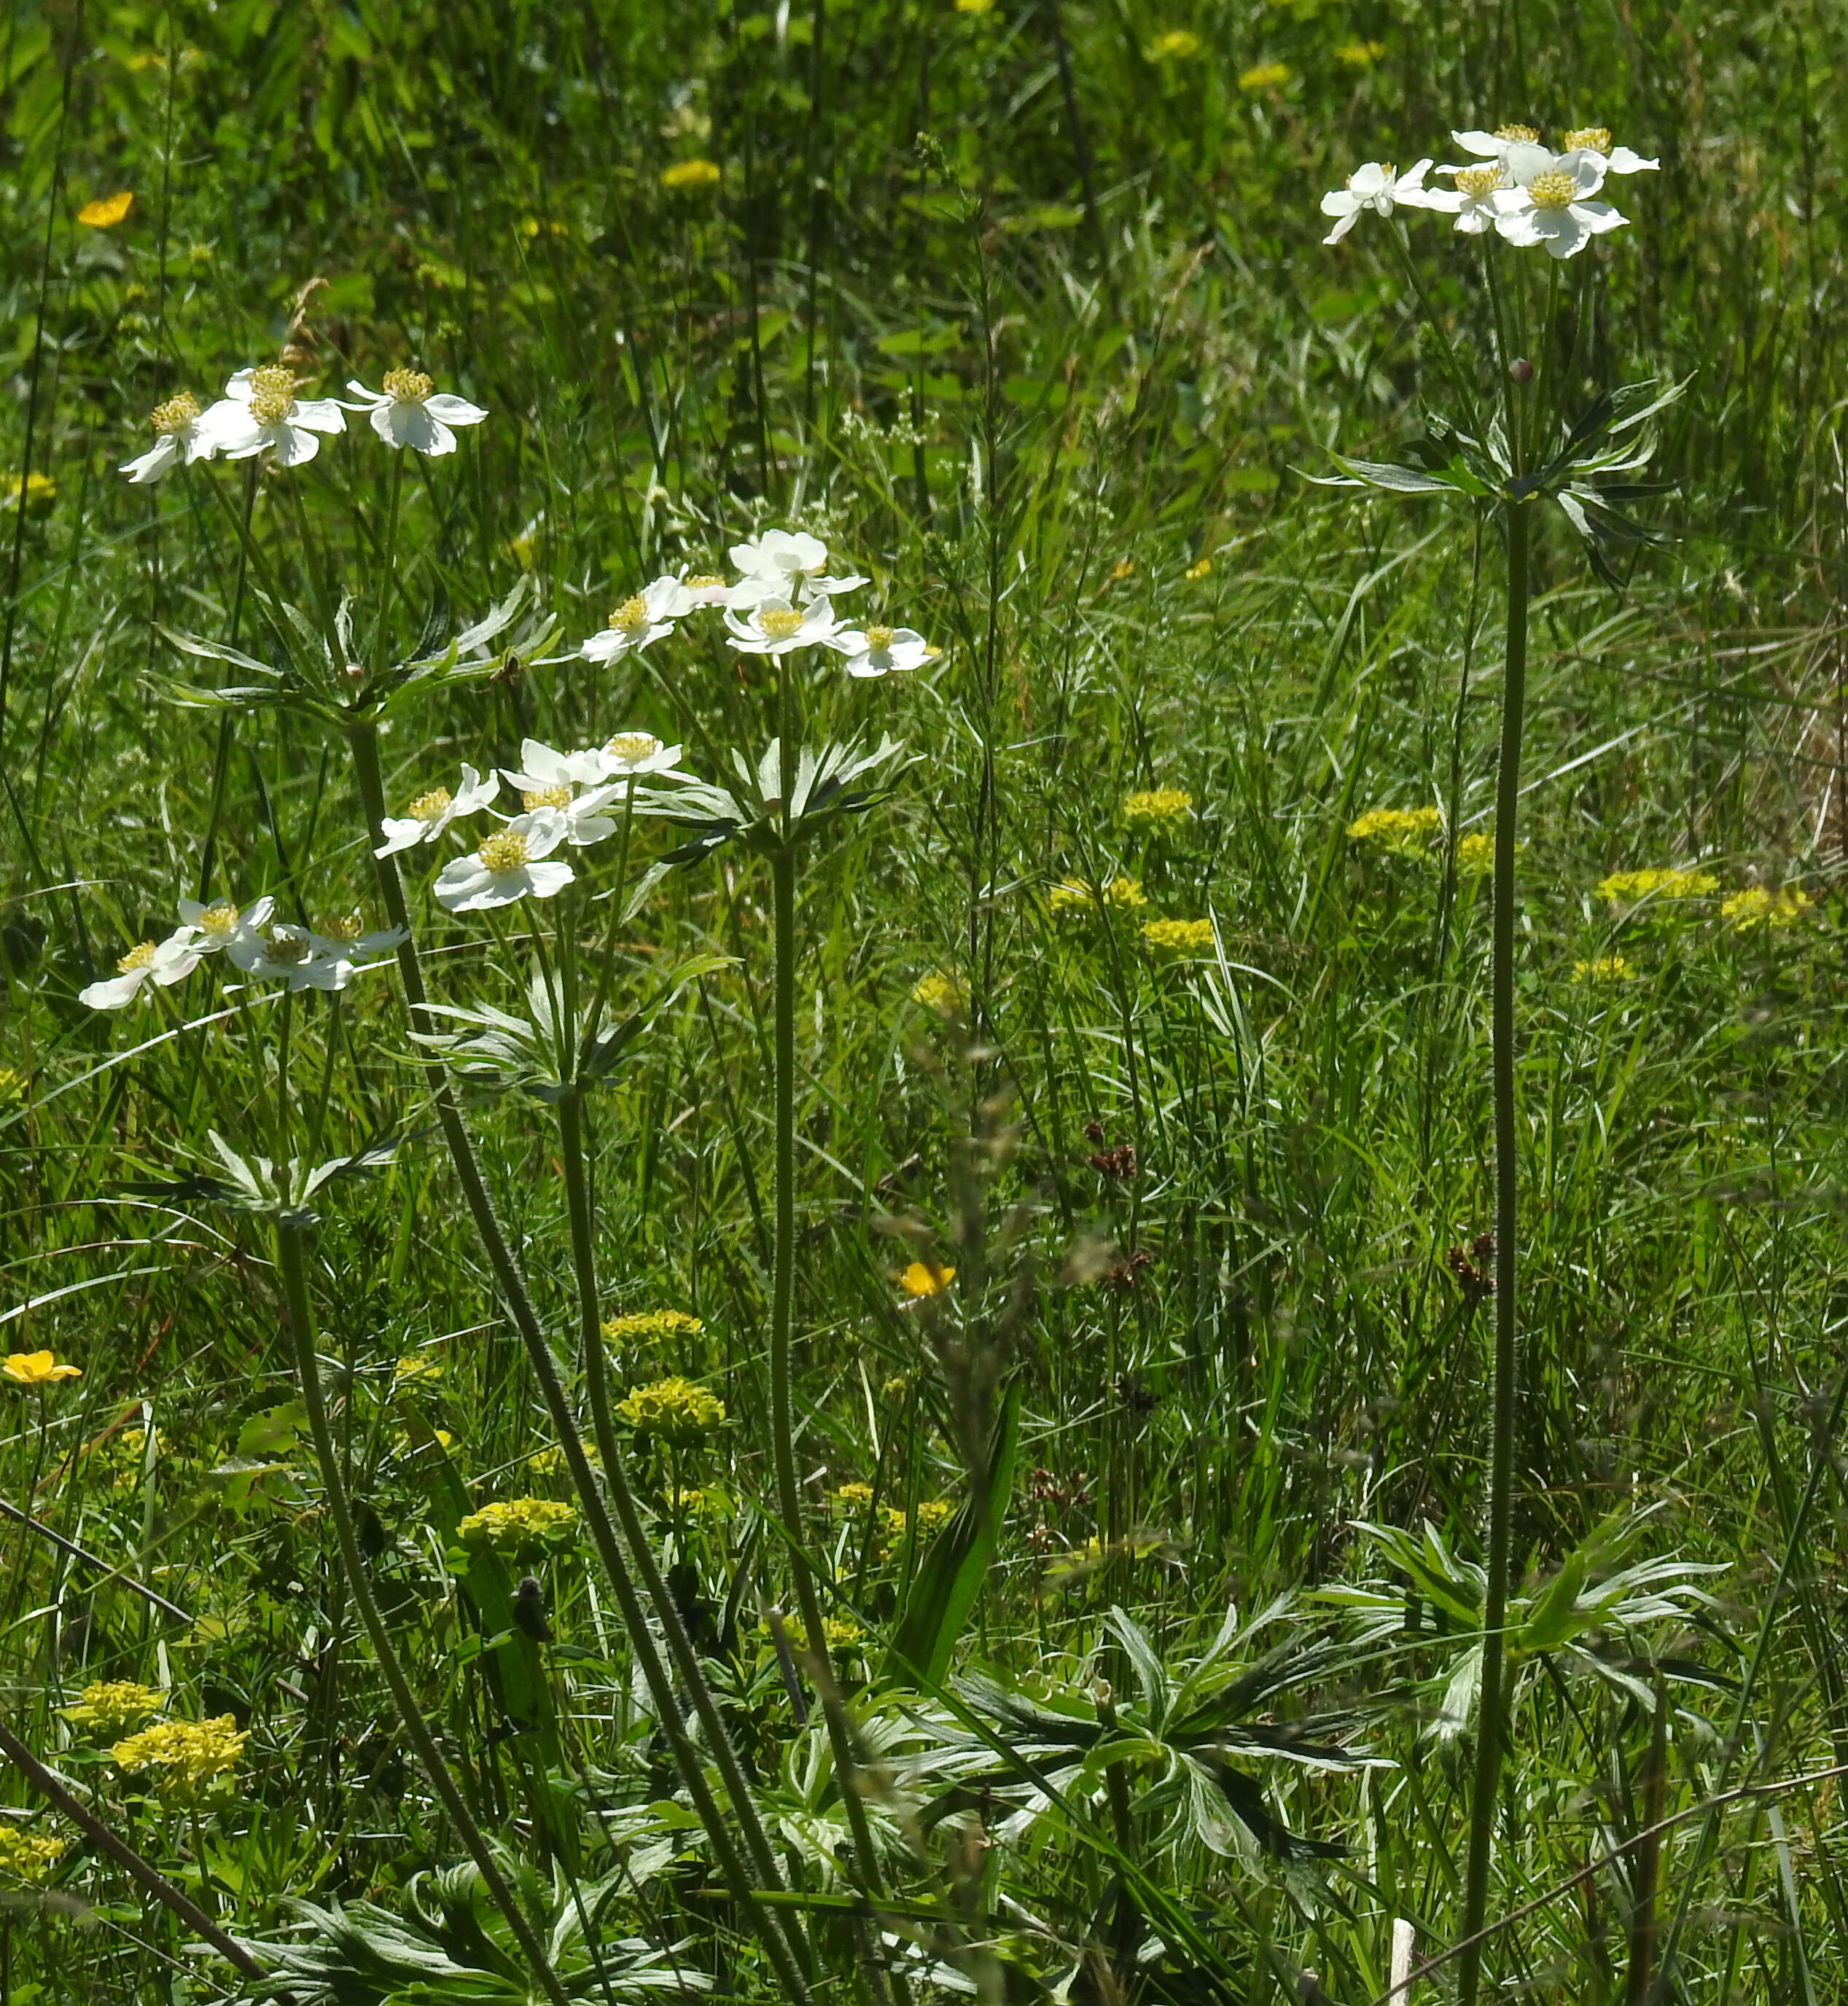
(1598, 216)
(459, 882)
(1484, 144)
(372, 397)
(152, 464)
(411, 424)
(319, 414)
(606, 646)
(115, 992)
(401, 833)
(589, 828)
(454, 411)
(1340, 201)
(238, 385)
(1623, 161)
(548, 880)
(1369, 178)
(1343, 226)
(294, 447)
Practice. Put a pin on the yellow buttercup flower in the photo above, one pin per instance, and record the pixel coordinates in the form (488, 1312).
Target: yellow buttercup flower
(106, 1708)
(1202, 568)
(674, 1409)
(37, 1369)
(926, 1279)
(690, 174)
(1178, 936)
(183, 1757)
(107, 210)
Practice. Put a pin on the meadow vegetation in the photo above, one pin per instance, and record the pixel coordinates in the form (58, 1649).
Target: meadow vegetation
(748, 1095)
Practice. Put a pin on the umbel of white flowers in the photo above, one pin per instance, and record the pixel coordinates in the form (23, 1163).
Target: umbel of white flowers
(1516, 186)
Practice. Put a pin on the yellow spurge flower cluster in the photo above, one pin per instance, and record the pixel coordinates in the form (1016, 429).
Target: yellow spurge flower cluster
(699, 1501)
(1405, 831)
(1160, 808)
(28, 1857)
(853, 1497)
(931, 1513)
(551, 1461)
(841, 1633)
(690, 174)
(675, 1409)
(1475, 855)
(1264, 76)
(519, 1527)
(1178, 936)
(1359, 55)
(183, 1758)
(1175, 45)
(1074, 896)
(36, 1369)
(109, 1708)
(941, 992)
(637, 1326)
(417, 1365)
(1200, 568)
(1747, 911)
(1608, 969)
(1626, 887)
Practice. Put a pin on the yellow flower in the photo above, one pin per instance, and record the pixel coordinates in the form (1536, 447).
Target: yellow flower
(975, 6)
(940, 991)
(1178, 936)
(107, 210)
(1359, 55)
(931, 1514)
(184, 1757)
(1263, 76)
(551, 1461)
(699, 1503)
(675, 1409)
(1121, 894)
(36, 491)
(1124, 568)
(1626, 887)
(1406, 832)
(639, 1325)
(519, 1529)
(110, 1707)
(690, 174)
(1475, 854)
(1609, 968)
(28, 1857)
(1177, 45)
(13, 1083)
(36, 1369)
(1756, 907)
(841, 1634)
(925, 1278)
(853, 1497)
(1160, 808)
(1203, 569)
(417, 1365)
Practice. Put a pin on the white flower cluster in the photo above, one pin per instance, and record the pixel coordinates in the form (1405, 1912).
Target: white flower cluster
(261, 412)
(1517, 186)
(251, 940)
(782, 600)
(562, 798)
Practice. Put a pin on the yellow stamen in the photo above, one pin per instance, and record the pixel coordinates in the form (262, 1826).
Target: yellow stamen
(1476, 182)
(175, 415)
(1557, 190)
(429, 807)
(780, 623)
(632, 746)
(408, 386)
(547, 797)
(631, 615)
(271, 393)
(1590, 139)
(505, 851)
(218, 919)
(703, 582)
(881, 637)
(1518, 135)
(346, 928)
(136, 958)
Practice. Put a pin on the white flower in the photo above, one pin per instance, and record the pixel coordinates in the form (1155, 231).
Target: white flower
(550, 780)
(1379, 188)
(776, 565)
(1554, 204)
(774, 627)
(406, 412)
(877, 651)
(260, 410)
(637, 622)
(426, 817)
(631, 754)
(507, 866)
(1472, 202)
(209, 929)
(288, 953)
(161, 963)
(1596, 139)
(178, 440)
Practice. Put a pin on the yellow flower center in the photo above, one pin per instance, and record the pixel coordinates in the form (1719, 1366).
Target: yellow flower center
(218, 921)
(346, 928)
(703, 582)
(505, 851)
(1555, 190)
(1518, 135)
(136, 958)
(779, 622)
(271, 393)
(1593, 138)
(881, 637)
(175, 415)
(1475, 182)
(547, 797)
(429, 807)
(631, 615)
(286, 945)
(632, 746)
(407, 386)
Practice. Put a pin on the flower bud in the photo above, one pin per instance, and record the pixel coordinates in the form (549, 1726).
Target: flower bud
(1522, 370)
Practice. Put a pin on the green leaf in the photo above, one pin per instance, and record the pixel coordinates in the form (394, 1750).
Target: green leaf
(945, 1589)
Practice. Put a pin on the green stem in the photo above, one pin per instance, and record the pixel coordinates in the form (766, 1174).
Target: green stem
(290, 1261)
(1491, 1730)
(363, 739)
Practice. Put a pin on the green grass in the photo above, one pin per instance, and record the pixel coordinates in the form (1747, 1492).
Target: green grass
(1054, 389)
